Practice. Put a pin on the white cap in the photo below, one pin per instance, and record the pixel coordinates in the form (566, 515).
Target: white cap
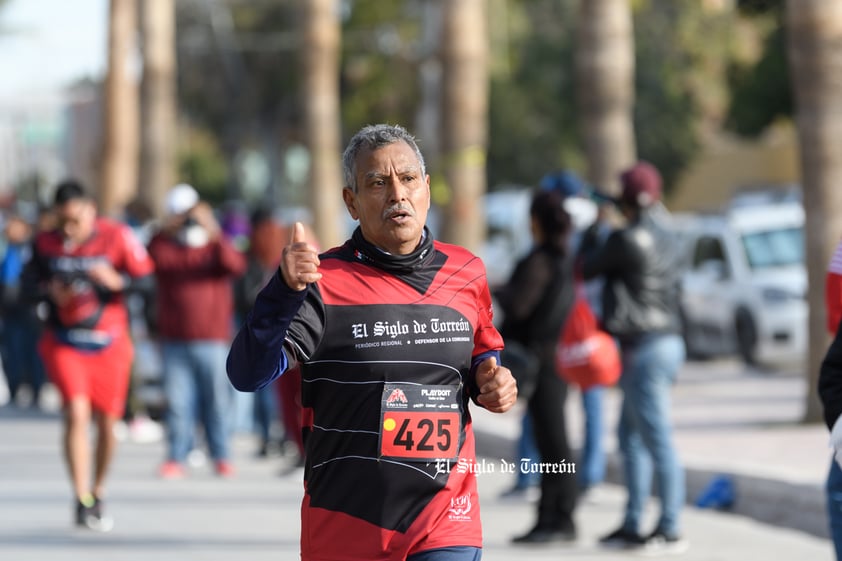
(181, 198)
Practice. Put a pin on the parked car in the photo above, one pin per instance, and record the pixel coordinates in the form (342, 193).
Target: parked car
(508, 236)
(745, 285)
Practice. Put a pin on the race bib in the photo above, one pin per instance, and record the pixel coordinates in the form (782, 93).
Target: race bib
(420, 423)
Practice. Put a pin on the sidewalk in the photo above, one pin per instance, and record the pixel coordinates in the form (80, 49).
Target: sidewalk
(726, 422)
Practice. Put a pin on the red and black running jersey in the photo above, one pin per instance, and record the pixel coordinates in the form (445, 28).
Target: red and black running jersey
(111, 242)
(386, 360)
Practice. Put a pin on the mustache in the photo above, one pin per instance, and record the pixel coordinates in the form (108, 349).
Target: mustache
(398, 209)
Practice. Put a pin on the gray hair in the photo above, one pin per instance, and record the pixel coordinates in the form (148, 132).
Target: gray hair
(373, 137)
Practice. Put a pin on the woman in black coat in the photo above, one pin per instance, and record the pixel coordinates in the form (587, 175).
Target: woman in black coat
(535, 302)
(830, 393)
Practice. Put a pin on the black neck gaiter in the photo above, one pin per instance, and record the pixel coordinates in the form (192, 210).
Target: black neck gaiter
(396, 264)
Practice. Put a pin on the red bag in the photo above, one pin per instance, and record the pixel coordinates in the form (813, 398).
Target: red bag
(585, 354)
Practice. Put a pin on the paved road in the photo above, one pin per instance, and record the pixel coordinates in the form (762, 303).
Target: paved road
(255, 515)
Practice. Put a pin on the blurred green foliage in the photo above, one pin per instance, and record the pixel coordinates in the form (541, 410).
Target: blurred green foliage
(760, 7)
(382, 49)
(241, 83)
(532, 117)
(761, 92)
(202, 165)
(682, 51)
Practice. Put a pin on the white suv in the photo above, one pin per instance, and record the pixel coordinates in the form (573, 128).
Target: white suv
(745, 286)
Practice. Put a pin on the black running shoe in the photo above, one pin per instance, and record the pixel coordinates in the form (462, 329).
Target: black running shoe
(546, 536)
(92, 517)
(622, 539)
(660, 542)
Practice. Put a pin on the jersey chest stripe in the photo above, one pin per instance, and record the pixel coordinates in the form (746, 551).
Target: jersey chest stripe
(447, 366)
(395, 462)
(326, 429)
(446, 282)
(308, 380)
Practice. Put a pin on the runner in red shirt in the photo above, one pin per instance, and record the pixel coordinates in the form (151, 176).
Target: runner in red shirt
(81, 270)
(394, 335)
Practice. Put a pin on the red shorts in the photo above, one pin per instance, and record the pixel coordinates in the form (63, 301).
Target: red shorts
(102, 376)
(289, 395)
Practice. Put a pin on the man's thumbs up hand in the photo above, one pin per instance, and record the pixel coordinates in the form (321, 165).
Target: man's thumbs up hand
(497, 386)
(300, 260)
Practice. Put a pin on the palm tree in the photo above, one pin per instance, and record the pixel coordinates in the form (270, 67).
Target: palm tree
(605, 82)
(158, 103)
(465, 86)
(118, 174)
(320, 42)
(815, 60)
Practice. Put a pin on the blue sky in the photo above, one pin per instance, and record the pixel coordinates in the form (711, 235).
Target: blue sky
(45, 44)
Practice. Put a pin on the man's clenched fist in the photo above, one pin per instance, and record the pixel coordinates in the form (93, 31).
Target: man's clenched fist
(497, 386)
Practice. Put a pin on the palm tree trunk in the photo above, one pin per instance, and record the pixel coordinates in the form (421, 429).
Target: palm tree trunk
(428, 117)
(118, 179)
(464, 123)
(320, 45)
(815, 56)
(158, 103)
(605, 82)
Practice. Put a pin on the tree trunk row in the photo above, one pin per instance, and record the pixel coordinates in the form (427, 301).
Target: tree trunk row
(605, 77)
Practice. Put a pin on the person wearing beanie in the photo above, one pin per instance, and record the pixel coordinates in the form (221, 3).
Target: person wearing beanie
(640, 265)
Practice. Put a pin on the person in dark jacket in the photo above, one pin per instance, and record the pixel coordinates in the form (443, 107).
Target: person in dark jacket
(640, 265)
(830, 393)
(20, 325)
(535, 303)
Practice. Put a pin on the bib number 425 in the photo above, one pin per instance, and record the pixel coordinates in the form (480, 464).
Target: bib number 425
(420, 435)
